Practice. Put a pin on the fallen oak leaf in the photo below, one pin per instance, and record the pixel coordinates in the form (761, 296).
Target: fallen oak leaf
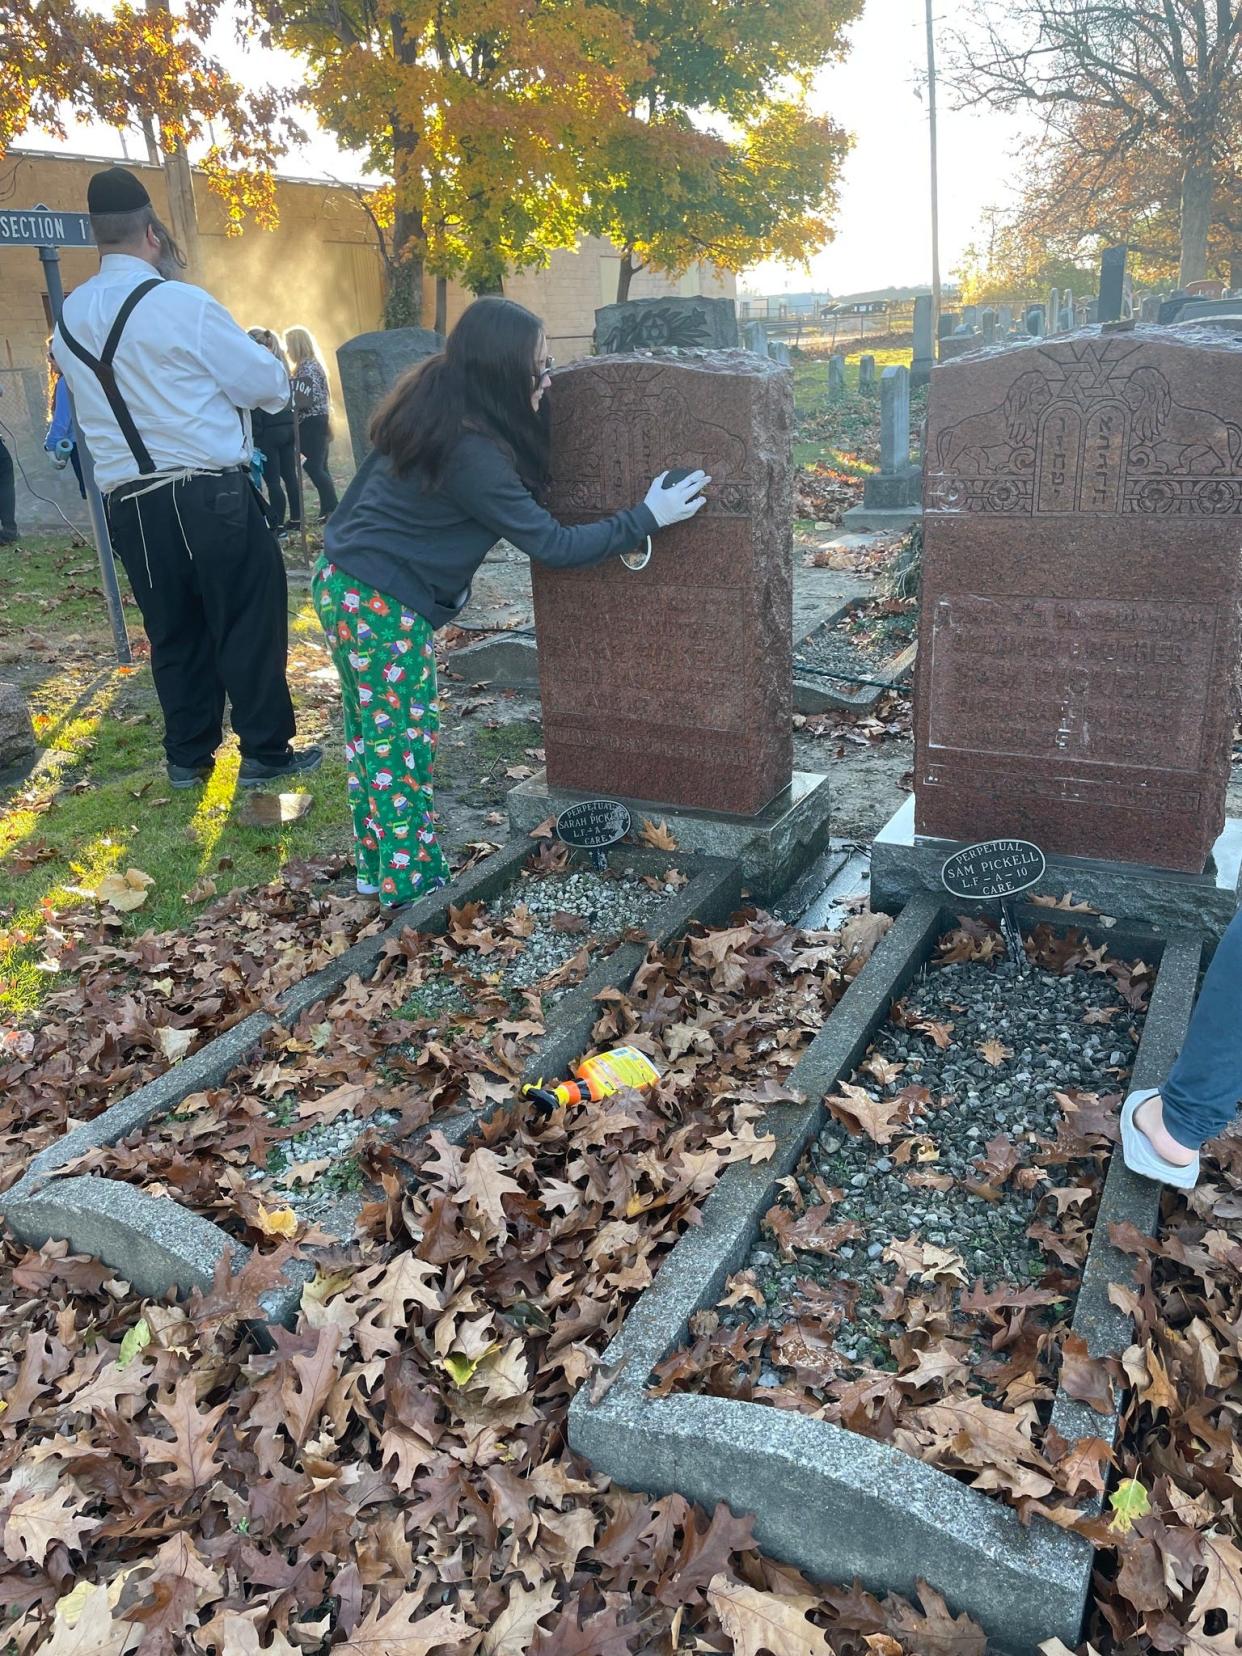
(37, 1519)
(657, 835)
(855, 1108)
(1129, 1502)
(396, 1633)
(282, 1221)
(92, 1632)
(994, 1052)
(174, 1043)
(758, 1621)
(124, 892)
(512, 1631)
(1084, 1377)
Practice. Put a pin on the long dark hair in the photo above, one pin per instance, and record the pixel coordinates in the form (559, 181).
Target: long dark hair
(482, 381)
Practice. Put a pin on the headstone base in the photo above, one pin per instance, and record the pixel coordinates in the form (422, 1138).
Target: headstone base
(903, 863)
(773, 847)
(921, 371)
(890, 519)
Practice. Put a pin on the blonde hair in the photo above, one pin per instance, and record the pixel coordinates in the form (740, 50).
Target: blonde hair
(270, 340)
(301, 346)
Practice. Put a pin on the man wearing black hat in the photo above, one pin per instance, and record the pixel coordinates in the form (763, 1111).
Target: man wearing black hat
(163, 381)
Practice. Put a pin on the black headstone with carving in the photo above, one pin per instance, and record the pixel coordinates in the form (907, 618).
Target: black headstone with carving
(1112, 283)
(663, 324)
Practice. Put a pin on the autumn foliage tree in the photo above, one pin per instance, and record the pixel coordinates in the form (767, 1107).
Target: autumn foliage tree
(719, 157)
(480, 111)
(145, 69)
(1117, 80)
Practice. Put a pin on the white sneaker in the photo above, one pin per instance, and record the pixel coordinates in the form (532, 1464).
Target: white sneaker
(1139, 1154)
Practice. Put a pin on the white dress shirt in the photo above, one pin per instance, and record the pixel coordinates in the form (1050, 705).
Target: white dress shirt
(184, 368)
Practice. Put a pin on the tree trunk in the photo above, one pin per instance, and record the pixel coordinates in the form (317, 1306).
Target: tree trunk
(1196, 220)
(481, 286)
(441, 304)
(626, 272)
(403, 303)
(182, 211)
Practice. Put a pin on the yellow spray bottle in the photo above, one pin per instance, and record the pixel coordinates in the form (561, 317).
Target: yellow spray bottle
(596, 1078)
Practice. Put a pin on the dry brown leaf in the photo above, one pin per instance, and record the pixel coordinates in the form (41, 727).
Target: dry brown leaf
(879, 1118)
(92, 1632)
(657, 835)
(396, 1633)
(265, 810)
(174, 1043)
(511, 1633)
(761, 1622)
(994, 1052)
(124, 892)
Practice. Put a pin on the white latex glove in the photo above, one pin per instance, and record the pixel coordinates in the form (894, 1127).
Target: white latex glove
(679, 501)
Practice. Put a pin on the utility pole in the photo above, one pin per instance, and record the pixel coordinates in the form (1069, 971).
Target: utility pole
(935, 174)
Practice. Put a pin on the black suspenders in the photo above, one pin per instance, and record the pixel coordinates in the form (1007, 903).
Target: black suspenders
(101, 367)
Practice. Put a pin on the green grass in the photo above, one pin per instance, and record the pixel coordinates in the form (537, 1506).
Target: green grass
(833, 433)
(100, 801)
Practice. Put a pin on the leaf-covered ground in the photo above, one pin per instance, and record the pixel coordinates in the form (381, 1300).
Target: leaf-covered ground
(392, 1475)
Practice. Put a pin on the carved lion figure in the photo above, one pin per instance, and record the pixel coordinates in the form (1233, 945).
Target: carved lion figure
(1147, 392)
(984, 442)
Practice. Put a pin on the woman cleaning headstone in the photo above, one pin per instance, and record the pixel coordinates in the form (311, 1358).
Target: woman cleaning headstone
(1163, 1128)
(460, 450)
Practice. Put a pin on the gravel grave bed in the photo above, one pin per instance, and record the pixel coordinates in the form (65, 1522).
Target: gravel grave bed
(444, 1021)
(931, 1242)
(862, 643)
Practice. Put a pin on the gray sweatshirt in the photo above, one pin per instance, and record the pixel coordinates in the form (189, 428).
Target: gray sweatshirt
(422, 546)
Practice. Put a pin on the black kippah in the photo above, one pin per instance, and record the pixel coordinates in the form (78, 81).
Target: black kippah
(115, 191)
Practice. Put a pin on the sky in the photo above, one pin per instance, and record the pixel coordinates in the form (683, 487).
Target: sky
(883, 227)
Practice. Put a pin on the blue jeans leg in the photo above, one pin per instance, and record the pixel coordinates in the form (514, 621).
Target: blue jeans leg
(1205, 1084)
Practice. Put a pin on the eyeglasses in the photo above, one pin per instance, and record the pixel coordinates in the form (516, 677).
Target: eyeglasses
(545, 372)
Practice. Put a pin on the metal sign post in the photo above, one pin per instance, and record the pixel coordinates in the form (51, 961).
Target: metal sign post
(48, 231)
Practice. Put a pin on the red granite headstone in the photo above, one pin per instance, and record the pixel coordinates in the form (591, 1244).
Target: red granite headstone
(673, 683)
(1081, 586)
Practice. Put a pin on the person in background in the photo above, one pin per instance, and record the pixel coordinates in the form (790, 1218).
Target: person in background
(162, 378)
(314, 406)
(460, 451)
(8, 495)
(1163, 1128)
(60, 421)
(273, 438)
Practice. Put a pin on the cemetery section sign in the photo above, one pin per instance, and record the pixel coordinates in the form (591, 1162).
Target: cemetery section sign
(45, 227)
(593, 824)
(993, 868)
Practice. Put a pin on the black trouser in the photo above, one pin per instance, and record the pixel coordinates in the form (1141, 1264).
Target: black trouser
(8, 496)
(313, 431)
(210, 582)
(280, 466)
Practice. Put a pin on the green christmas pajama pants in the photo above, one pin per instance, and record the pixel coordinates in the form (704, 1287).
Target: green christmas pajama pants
(383, 656)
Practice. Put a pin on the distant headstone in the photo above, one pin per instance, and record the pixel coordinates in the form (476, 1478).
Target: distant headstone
(836, 376)
(866, 372)
(1209, 287)
(1067, 309)
(1081, 591)
(1052, 311)
(924, 341)
(690, 703)
(1035, 321)
(1112, 283)
(662, 324)
(959, 344)
(970, 316)
(17, 737)
(755, 338)
(1067, 320)
(370, 365)
(1004, 319)
(1149, 310)
(897, 486)
(987, 326)
(946, 324)
(1091, 313)
(779, 353)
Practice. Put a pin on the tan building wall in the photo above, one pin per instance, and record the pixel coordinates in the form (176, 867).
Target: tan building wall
(319, 269)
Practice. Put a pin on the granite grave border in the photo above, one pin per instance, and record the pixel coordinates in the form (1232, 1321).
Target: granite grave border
(158, 1244)
(877, 1513)
(813, 695)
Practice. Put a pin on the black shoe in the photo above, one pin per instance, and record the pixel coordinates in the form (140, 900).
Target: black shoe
(254, 773)
(8, 537)
(189, 776)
